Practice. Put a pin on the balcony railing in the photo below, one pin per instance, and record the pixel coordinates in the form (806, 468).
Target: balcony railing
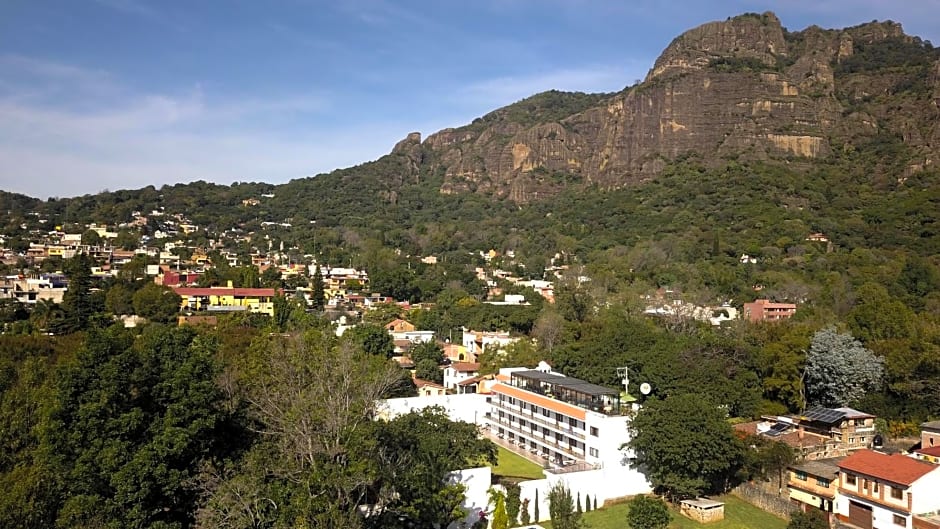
(545, 442)
(559, 426)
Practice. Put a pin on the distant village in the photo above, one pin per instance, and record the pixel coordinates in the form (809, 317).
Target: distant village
(573, 429)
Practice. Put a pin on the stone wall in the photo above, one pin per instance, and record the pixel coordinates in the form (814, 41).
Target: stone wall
(764, 500)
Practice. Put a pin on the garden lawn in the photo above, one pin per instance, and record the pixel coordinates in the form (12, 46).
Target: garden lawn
(511, 465)
(738, 515)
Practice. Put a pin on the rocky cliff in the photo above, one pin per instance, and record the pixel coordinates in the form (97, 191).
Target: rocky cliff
(743, 88)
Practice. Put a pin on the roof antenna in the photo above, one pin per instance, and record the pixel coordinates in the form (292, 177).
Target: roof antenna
(624, 375)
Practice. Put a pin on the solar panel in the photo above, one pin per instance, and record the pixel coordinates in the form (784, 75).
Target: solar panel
(826, 415)
(777, 429)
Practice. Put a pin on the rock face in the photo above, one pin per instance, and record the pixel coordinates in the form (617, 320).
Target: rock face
(742, 88)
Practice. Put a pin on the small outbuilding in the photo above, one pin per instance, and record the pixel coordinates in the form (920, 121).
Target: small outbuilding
(703, 510)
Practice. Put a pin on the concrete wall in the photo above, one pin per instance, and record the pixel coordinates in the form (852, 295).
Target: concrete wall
(477, 481)
(467, 407)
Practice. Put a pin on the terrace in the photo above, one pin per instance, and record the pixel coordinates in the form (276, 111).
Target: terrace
(570, 390)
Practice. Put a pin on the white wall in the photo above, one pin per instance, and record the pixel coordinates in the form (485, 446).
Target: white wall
(476, 496)
(925, 495)
(468, 407)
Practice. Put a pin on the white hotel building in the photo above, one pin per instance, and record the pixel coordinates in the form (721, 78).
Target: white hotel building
(575, 429)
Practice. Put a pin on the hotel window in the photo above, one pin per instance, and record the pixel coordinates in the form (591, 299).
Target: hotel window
(850, 479)
(824, 483)
(897, 493)
(874, 487)
(594, 431)
(800, 475)
(593, 452)
(900, 520)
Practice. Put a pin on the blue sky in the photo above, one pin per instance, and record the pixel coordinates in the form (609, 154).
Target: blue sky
(118, 94)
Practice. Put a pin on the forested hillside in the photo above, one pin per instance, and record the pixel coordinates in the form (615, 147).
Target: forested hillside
(826, 179)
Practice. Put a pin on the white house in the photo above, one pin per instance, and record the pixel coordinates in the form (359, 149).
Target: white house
(459, 371)
(477, 342)
(881, 490)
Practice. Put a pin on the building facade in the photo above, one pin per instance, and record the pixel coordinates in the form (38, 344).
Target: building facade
(886, 491)
(766, 310)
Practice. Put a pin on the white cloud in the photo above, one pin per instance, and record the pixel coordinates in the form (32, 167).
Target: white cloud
(506, 90)
(113, 138)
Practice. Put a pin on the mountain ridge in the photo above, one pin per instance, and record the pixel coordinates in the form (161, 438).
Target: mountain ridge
(742, 87)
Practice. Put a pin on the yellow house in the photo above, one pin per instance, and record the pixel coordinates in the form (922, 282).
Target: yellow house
(227, 299)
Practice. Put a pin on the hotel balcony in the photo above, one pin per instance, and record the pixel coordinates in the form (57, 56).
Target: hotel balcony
(570, 390)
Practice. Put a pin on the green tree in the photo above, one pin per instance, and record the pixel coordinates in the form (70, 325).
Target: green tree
(133, 420)
(428, 370)
(427, 351)
(879, 316)
(318, 296)
(777, 457)
(372, 339)
(513, 503)
(839, 370)
(500, 517)
(382, 313)
(524, 518)
(647, 512)
(535, 507)
(119, 300)
(418, 451)
(91, 238)
(78, 306)
(157, 303)
(685, 444)
(561, 508)
(319, 455)
(271, 277)
(812, 519)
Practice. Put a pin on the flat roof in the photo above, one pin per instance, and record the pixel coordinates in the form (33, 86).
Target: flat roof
(819, 467)
(574, 384)
(703, 503)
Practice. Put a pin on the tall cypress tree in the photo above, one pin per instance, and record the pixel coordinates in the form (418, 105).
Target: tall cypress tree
(319, 296)
(77, 305)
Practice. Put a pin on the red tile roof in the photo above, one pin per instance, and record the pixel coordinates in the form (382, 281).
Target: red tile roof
(929, 451)
(469, 381)
(465, 367)
(894, 468)
(420, 383)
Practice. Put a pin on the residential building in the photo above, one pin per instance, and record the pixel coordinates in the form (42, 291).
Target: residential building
(399, 326)
(477, 342)
(930, 434)
(340, 282)
(930, 454)
(766, 310)
(880, 490)
(31, 290)
(426, 388)
(227, 299)
(458, 372)
(819, 433)
(458, 353)
(575, 428)
(813, 484)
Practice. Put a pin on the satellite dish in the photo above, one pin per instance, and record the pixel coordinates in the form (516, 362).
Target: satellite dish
(645, 388)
